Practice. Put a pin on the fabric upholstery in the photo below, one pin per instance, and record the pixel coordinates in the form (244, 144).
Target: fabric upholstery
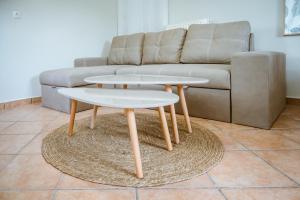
(201, 102)
(163, 47)
(208, 103)
(218, 74)
(126, 50)
(258, 88)
(73, 77)
(91, 61)
(52, 99)
(215, 43)
(251, 42)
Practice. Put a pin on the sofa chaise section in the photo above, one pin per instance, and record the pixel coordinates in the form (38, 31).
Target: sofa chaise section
(52, 80)
(72, 77)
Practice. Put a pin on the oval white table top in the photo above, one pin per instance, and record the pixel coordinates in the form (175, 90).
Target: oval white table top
(120, 98)
(144, 79)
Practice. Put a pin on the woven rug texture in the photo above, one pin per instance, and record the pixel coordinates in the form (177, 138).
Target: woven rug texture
(103, 155)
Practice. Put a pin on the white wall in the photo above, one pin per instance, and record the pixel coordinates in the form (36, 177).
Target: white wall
(49, 35)
(266, 18)
(142, 16)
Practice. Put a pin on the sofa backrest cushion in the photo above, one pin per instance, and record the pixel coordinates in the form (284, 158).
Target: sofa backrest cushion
(126, 50)
(163, 47)
(215, 43)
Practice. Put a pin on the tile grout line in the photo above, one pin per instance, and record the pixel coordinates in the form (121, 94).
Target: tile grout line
(252, 151)
(247, 149)
(136, 194)
(13, 123)
(8, 163)
(222, 193)
(34, 137)
(22, 116)
(211, 179)
(20, 133)
(44, 125)
(290, 139)
(261, 150)
(235, 140)
(146, 188)
(275, 168)
(18, 152)
(216, 186)
(53, 195)
(56, 185)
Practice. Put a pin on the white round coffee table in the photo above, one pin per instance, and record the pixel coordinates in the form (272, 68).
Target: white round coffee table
(167, 81)
(128, 100)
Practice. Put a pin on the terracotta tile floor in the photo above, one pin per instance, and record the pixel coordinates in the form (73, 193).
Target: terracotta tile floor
(258, 164)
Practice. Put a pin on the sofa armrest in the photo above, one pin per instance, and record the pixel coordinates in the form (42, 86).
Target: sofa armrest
(258, 88)
(90, 61)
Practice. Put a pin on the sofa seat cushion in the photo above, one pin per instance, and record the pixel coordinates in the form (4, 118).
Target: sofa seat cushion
(163, 47)
(218, 74)
(126, 50)
(215, 43)
(73, 77)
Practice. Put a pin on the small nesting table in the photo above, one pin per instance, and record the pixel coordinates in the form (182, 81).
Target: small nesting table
(139, 79)
(128, 100)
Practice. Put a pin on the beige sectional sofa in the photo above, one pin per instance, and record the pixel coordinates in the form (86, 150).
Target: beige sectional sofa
(245, 87)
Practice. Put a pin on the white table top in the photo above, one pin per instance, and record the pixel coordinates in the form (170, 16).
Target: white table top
(145, 79)
(120, 98)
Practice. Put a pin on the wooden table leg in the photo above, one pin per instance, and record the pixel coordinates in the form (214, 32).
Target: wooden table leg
(98, 85)
(94, 116)
(168, 88)
(134, 141)
(72, 117)
(184, 107)
(165, 128)
(95, 109)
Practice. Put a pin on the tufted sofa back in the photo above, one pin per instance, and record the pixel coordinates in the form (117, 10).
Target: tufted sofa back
(201, 43)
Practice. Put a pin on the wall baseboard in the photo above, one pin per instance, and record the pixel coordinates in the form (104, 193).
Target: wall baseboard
(21, 102)
(36, 100)
(293, 101)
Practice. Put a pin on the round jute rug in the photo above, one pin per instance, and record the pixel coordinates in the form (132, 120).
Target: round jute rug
(104, 155)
